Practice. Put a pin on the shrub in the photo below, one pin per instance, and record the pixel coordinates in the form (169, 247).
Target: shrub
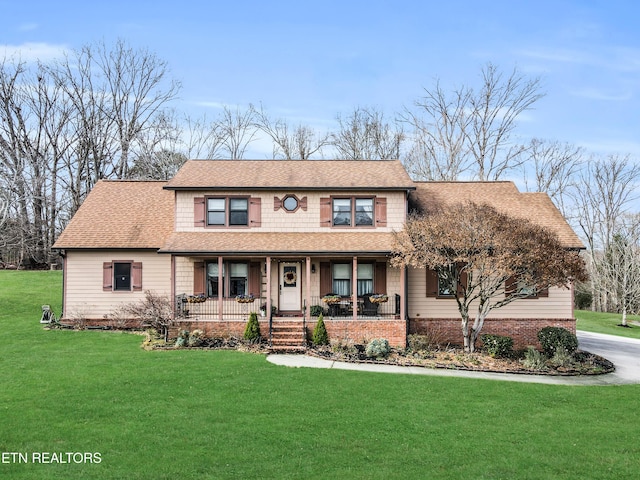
(320, 336)
(419, 343)
(252, 330)
(155, 311)
(378, 348)
(182, 339)
(316, 310)
(497, 345)
(534, 360)
(552, 337)
(562, 358)
(195, 338)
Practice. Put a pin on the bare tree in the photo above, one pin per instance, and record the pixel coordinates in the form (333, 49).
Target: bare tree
(494, 111)
(439, 151)
(134, 88)
(366, 135)
(291, 143)
(605, 190)
(551, 167)
(236, 130)
(620, 267)
(485, 259)
(471, 130)
(66, 125)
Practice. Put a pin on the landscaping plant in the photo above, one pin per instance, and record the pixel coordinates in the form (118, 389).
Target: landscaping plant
(252, 330)
(320, 336)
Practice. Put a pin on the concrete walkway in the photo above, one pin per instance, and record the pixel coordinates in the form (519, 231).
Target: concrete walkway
(623, 352)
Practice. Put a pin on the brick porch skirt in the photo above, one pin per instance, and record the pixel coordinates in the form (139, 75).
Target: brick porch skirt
(523, 331)
(363, 331)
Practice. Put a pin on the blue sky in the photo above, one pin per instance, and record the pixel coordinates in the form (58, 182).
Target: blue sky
(310, 60)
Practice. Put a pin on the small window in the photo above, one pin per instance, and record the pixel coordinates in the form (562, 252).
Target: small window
(342, 212)
(216, 211)
(213, 280)
(445, 287)
(122, 276)
(365, 279)
(342, 279)
(290, 203)
(364, 211)
(239, 279)
(238, 211)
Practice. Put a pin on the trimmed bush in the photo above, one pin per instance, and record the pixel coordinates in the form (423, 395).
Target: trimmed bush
(316, 310)
(497, 345)
(378, 348)
(320, 336)
(252, 330)
(552, 337)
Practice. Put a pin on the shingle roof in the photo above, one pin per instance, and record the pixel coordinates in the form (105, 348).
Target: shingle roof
(278, 243)
(121, 214)
(309, 174)
(504, 196)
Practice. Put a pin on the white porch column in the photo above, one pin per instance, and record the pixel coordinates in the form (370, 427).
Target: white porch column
(308, 289)
(220, 289)
(354, 288)
(268, 307)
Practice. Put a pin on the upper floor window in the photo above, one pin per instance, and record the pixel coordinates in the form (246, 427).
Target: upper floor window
(227, 211)
(350, 212)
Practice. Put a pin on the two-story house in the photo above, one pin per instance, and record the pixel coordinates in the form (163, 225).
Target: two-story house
(285, 239)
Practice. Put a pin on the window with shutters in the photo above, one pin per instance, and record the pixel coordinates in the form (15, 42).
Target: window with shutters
(219, 212)
(439, 282)
(514, 286)
(122, 276)
(357, 212)
(238, 278)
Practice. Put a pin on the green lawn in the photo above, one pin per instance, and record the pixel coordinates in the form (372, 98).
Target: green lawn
(607, 323)
(222, 414)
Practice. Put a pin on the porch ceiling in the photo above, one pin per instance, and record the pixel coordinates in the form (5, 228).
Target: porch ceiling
(278, 243)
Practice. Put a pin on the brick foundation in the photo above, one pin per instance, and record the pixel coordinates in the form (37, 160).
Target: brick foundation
(217, 328)
(523, 331)
(362, 331)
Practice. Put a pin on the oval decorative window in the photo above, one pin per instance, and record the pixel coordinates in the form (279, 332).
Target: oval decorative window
(290, 203)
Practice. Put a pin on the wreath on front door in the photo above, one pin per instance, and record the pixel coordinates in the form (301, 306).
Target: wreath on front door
(290, 278)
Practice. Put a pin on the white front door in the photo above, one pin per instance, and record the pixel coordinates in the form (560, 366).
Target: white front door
(290, 291)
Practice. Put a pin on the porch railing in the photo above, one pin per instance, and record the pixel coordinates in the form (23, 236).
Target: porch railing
(365, 308)
(192, 307)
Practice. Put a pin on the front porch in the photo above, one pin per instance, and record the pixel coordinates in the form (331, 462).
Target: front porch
(354, 294)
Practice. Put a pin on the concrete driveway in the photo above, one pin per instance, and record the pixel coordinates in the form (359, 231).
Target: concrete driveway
(623, 352)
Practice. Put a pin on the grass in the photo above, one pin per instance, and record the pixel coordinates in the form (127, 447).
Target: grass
(608, 323)
(221, 414)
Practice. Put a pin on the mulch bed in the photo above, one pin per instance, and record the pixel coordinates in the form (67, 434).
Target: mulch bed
(584, 363)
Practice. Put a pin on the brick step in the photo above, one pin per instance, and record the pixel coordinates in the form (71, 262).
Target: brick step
(288, 336)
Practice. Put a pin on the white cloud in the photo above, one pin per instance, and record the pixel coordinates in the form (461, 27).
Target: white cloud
(31, 52)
